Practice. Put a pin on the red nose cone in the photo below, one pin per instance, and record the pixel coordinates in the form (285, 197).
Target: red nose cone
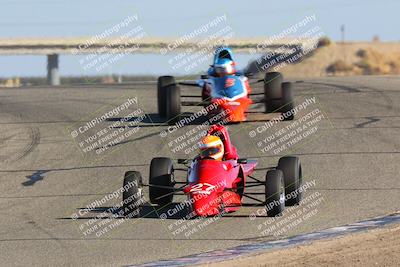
(206, 205)
(210, 184)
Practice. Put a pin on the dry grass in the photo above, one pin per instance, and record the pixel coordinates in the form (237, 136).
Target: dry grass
(349, 59)
(324, 41)
(373, 62)
(379, 247)
(339, 66)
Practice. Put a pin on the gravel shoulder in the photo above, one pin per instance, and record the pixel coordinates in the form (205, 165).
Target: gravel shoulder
(379, 247)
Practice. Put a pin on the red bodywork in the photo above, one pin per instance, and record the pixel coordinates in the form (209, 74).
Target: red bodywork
(234, 109)
(217, 186)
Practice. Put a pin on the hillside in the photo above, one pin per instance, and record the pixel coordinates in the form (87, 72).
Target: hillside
(356, 58)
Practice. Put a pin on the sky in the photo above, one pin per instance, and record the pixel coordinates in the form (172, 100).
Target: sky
(363, 19)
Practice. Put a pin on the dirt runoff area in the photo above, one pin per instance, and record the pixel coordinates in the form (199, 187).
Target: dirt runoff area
(379, 247)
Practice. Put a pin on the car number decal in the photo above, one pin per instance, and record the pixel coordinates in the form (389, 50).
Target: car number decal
(229, 82)
(199, 188)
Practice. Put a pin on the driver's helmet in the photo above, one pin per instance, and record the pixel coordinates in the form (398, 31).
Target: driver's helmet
(211, 146)
(224, 66)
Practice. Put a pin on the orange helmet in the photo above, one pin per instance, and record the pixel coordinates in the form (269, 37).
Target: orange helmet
(211, 146)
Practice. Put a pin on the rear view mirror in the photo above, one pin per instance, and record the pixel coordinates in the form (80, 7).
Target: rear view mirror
(183, 161)
(242, 161)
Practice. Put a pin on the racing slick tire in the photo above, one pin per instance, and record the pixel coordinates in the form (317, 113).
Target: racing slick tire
(132, 195)
(287, 102)
(272, 90)
(162, 83)
(292, 175)
(206, 93)
(161, 181)
(173, 103)
(274, 193)
(273, 105)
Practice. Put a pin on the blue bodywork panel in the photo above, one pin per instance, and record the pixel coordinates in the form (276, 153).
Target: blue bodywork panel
(230, 86)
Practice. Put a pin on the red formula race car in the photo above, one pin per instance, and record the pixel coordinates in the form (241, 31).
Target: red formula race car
(215, 186)
(224, 90)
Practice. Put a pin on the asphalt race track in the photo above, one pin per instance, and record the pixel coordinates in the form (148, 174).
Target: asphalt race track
(45, 176)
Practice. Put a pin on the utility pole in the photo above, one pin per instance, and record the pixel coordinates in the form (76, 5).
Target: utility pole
(53, 76)
(342, 30)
